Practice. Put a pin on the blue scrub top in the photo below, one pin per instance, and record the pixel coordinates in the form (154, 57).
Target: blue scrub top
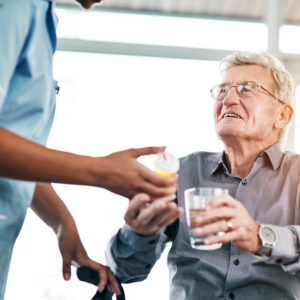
(27, 101)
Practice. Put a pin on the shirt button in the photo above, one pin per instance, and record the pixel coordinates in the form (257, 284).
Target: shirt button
(244, 182)
(236, 262)
(231, 295)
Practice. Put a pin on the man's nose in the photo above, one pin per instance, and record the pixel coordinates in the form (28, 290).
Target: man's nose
(232, 96)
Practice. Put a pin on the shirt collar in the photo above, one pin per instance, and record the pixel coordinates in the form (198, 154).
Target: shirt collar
(218, 161)
(274, 153)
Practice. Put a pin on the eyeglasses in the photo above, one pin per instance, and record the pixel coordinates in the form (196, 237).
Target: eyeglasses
(244, 90)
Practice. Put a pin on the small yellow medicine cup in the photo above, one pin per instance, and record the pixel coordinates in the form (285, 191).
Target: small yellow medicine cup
(166, 164)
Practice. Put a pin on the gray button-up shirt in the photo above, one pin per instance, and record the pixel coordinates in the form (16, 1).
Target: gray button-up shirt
(271, 195)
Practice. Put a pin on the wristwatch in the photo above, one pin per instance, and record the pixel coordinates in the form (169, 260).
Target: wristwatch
(268, 239)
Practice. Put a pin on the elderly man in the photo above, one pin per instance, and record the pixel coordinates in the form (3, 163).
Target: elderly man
(259, 258)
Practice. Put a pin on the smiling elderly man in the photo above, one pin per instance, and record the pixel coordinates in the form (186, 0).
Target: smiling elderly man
(259, 258)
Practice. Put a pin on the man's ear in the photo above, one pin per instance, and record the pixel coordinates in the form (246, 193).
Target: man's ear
(284, 116)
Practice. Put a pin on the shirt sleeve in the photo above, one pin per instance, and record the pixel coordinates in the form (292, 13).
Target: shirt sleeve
(286, 249)
(15, 19)
(131, 256)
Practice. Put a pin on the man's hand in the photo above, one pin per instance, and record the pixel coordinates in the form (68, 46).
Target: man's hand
(147, 217)
(121, 173)
(225, 214)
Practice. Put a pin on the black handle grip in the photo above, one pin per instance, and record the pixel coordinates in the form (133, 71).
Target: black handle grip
(90, 275)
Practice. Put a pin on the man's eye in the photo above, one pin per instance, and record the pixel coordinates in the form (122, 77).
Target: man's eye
(223, 89)
(245, 89)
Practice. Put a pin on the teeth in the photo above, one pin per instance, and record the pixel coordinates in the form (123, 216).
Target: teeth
(231, 116)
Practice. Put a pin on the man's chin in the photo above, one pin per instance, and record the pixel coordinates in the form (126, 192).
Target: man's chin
(226, 133)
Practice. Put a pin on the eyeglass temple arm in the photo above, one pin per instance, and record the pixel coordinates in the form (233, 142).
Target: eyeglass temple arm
(282, 102)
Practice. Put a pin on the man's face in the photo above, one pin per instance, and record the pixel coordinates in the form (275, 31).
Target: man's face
(251, 118)
(88, 3)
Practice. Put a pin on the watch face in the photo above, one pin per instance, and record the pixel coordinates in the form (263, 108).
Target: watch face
(268, 234)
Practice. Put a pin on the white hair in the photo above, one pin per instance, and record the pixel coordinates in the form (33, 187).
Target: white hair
(283, 88)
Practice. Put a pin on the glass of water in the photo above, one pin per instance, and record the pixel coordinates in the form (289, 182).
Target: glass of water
(195, 202)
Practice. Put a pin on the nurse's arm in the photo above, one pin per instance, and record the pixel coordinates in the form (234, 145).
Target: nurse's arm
(51, 209)
(119, 172)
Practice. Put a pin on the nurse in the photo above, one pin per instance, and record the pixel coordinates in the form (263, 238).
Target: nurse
(27, 106)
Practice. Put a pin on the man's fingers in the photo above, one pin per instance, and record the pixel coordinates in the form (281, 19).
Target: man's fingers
(228, 237)
(173, 213)
(213, 215)
(149, 217)
(164, 219)
(134, 206)
(223, 200)
(165, 199)
(212, 228)
(154, 209)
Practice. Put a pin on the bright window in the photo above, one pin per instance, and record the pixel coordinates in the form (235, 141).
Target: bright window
(162, 30)
(288, 37)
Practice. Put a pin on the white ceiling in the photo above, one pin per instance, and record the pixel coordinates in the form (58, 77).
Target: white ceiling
(249, 9)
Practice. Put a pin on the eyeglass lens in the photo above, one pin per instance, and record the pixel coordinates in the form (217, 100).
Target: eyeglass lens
(244, 89)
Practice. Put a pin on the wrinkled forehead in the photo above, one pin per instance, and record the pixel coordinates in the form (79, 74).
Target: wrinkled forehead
(242, 73)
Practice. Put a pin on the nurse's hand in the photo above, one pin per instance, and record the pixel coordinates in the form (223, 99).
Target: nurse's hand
(73, 253)
(121, 173)
(51, 209)
(147, 217)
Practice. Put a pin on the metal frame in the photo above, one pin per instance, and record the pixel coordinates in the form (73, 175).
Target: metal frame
(140, 49)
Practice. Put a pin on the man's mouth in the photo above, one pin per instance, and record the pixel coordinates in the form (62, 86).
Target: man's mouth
(231, 115)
